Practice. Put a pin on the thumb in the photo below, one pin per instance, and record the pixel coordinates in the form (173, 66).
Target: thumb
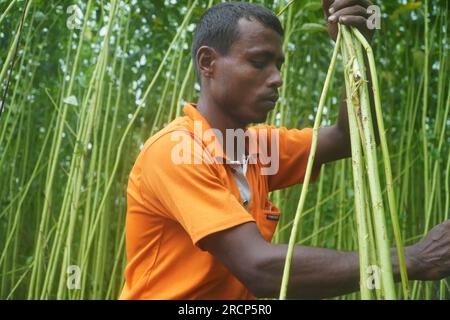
(326, 5)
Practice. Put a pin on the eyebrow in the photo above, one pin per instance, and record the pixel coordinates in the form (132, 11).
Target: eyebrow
(266, 54)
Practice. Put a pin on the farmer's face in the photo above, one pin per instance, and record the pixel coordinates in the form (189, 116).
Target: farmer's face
(247, 78)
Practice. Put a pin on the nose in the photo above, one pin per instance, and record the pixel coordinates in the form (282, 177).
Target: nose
(275, 79)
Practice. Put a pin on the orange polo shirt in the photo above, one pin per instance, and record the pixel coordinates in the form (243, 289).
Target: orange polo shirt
(172, 204)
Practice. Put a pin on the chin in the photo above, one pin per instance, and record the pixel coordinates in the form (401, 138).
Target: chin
(260, 118)
(258, 115)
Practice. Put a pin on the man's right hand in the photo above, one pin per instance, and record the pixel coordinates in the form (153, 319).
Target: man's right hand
(430, 257)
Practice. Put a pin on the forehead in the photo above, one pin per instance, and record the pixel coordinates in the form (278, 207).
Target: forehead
(254, 36)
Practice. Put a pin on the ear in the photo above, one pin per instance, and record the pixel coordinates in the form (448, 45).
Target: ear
(206, 61)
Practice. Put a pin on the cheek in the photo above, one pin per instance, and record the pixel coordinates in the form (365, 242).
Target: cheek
(240, 81)
(229, 81)
(238, 84)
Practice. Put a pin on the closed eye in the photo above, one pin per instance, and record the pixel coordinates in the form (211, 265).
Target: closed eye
(258, 64)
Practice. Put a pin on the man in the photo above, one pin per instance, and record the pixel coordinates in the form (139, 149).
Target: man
(201, 229)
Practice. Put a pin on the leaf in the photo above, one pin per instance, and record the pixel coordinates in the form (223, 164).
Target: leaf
(418, 58)
(313, 27)
(387, 76)
(158, 21)
(72, 100)
(405, 8)
(88, 34)
(313, 6)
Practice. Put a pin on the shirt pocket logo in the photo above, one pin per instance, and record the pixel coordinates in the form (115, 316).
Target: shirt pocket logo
(269, 220)
(272, 217)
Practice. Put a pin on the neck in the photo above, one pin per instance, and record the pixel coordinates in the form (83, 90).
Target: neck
(217, 118)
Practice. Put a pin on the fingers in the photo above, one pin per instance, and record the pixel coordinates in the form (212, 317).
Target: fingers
(347, 12)
(353, 21)
(445, 225)
(355, 16)
(439, 232)
(356, 11)
(326, 4)
(341, 4)
(326, 7)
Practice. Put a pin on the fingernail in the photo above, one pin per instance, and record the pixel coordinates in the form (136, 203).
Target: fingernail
(331, 10)
(332, 18)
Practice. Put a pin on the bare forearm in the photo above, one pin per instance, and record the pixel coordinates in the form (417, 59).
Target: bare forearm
(317, 272)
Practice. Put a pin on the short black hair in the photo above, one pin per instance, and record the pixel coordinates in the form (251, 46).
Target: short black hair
(217, 27)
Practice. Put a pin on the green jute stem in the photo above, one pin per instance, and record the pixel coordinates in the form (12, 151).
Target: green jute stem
(384, 252)
(387, 163)
(8, 8)
(128, 128)
(292, 239)
(426, 180)
(358, 181)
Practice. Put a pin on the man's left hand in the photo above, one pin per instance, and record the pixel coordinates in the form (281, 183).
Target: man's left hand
(347, 12)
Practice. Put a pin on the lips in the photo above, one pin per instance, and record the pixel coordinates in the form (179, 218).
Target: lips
(272, 98)
(269, 104)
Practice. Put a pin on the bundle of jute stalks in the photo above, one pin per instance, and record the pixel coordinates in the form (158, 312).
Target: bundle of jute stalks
(370, 212)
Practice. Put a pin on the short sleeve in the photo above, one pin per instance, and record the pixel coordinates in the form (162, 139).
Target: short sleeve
(189, 186)
(294, 146)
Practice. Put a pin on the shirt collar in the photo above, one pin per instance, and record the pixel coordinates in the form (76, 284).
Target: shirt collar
(200, 125)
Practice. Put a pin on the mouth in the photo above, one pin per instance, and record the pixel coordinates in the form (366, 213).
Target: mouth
(272, 98)
(268, 105)
(270, 101)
